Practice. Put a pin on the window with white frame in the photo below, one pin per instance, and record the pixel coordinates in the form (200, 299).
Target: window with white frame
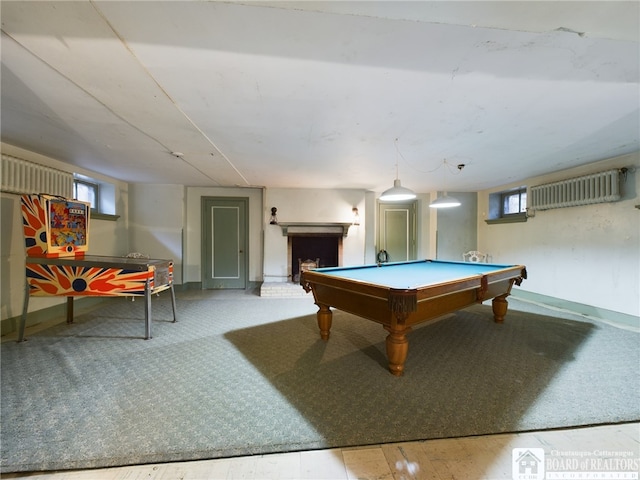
(87, 192)
(100, 194)
(513, 202)
(508, 206)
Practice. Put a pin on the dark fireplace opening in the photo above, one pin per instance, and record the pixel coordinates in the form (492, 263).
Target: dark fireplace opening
(324, 249)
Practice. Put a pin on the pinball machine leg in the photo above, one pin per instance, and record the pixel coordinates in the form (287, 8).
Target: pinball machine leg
(23, 318)
(173, 304)
(69, 310)
(147, 312)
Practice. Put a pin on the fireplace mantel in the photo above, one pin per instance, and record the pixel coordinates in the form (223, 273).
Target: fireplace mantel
(311, 228)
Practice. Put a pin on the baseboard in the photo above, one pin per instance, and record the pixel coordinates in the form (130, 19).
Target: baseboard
(618, 318)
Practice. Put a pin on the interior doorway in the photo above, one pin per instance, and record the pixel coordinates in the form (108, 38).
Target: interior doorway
(397, 232)
(224, 242)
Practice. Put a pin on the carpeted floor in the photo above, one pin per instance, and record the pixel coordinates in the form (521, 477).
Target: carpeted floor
(241, 374)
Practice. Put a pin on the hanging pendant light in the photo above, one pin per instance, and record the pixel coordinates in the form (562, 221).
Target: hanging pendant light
(397, 193)
(445, 201)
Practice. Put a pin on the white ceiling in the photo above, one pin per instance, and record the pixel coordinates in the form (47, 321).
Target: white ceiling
(322, 94)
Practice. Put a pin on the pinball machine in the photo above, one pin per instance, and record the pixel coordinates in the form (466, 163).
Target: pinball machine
(56, 233)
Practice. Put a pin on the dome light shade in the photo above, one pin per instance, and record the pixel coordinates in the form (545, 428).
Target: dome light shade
(445, 202)
(397, 193)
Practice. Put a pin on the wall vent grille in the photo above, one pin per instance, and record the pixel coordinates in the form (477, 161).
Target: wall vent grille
(21, 176)
(599, 187)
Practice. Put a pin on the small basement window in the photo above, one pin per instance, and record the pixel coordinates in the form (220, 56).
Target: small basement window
(101, 195)
(508, 206)
(86, 192)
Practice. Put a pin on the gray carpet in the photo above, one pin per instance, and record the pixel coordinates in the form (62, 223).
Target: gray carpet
(240, 374)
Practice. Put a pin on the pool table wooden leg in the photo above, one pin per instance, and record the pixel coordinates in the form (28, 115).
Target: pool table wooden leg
(397, 349)
(500, 306)
(325, 316)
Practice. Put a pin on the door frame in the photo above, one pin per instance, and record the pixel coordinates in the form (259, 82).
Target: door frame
(412, 227)
(244, 242)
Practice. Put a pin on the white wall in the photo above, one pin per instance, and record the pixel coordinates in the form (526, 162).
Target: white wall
(456, 227)
(317, 206)
(106, 237)
(588, 254)
(156, 219)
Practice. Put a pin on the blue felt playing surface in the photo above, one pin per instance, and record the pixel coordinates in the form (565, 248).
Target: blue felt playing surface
(412, 274)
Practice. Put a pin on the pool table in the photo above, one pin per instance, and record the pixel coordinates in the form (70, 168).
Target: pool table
(401, 294)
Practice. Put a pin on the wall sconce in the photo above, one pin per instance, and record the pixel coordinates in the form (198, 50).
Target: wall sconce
(274, 218)
(356, 216)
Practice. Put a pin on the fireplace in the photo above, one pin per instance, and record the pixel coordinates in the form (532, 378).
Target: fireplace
(312, 251)
(312, 244)
(309, 244)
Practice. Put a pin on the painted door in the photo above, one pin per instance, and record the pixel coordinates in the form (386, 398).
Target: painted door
(397, 231)
(224, 241)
